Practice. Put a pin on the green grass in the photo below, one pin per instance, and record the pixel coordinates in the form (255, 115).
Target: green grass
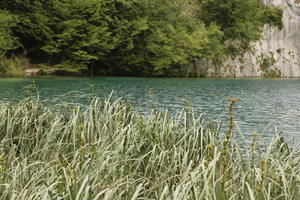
(109, 151)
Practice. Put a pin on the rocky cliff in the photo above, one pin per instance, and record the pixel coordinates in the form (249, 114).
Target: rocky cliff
(277, 54)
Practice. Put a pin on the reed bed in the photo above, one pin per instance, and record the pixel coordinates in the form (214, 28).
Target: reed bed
(108, 151)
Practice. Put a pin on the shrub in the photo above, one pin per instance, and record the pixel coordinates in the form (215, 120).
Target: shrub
(13, 67)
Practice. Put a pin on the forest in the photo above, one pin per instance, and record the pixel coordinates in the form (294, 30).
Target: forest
(121, 37)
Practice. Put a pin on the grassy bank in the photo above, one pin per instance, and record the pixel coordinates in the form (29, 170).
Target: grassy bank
(108, 151)
(13, 67)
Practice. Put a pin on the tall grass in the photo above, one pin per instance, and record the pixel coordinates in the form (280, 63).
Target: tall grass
(13, 67)
(108, 151)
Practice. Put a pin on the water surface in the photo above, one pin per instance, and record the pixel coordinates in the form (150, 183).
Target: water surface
(262, 103)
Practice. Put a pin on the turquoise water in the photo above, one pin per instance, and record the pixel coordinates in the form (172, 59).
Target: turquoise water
(262, 103)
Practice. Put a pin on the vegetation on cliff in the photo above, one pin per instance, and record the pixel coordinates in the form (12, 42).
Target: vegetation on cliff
(136, 37)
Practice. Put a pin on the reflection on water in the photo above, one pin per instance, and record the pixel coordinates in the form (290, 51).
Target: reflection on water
(262, 103)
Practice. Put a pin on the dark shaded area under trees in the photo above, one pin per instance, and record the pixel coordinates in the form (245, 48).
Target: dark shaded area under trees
(136, 37)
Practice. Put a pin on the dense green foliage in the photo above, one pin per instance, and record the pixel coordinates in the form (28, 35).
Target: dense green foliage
(138, 37)
(240, 20)
(107, 151)
(7, 39)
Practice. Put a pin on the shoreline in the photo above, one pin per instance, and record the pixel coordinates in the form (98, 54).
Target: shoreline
(150, 77)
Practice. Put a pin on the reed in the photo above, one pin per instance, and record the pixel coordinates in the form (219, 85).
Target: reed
(108, 151)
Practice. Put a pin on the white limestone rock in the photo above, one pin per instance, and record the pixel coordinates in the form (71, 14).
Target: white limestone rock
(278, 50)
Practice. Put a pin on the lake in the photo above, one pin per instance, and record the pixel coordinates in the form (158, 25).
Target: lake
(262, 103)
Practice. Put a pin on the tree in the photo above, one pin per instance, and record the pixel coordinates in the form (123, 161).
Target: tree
(136, 37)
(70, 34)
(81, 32)
(158, 37)
(7, 40)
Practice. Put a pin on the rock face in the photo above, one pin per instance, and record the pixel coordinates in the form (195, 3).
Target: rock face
(277, 54)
